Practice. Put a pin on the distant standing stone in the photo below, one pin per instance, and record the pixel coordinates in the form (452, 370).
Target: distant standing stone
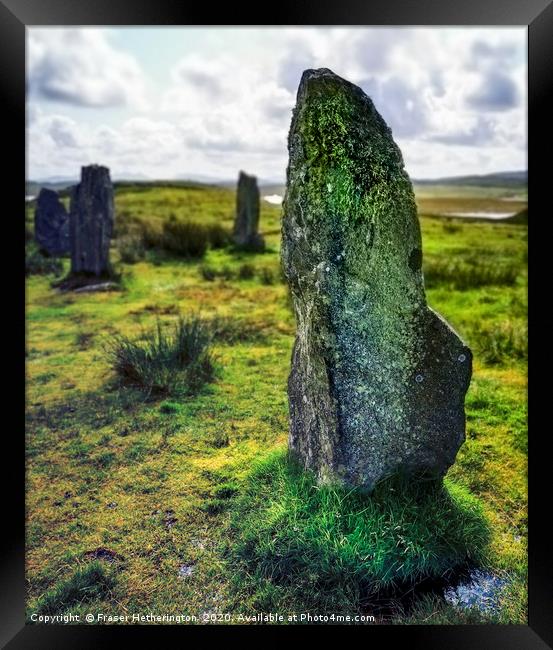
(378, 379)
(91, 221)
(51, 223)
(246, 223)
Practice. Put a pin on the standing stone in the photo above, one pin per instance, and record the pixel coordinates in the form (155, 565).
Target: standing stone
(246, 223)
(51, 223)
(378, 379)
(91, 221)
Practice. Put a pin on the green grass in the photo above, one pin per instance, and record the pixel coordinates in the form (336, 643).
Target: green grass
(38, 264)
(186, 238)
(469, 274)
(88, 583)
(105, 442)
(163, 360)
(330, 550)
(500, 342)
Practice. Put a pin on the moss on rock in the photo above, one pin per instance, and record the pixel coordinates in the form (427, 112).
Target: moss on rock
(378, 379)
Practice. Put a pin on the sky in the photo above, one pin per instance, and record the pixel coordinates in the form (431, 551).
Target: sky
(182, 102)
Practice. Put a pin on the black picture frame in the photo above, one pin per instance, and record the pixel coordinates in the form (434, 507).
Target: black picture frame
(15, 15)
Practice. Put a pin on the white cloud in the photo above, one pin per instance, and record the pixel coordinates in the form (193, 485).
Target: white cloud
(453, 98)
(78, 66)
(222, 105)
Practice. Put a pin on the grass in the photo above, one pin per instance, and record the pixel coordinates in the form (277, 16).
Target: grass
(125, 460)
(131, 248)
(164, 360)
(500, 342)
(38, 264)
(330, 550)
(466, 274)
(186, 238)
(88, 583)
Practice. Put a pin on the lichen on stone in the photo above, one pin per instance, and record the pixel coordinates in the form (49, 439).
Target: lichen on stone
(352, 255)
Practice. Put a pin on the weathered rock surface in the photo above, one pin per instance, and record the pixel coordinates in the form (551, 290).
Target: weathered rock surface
(246, 223)
(91, 221)
(51, 223)
(378, 379)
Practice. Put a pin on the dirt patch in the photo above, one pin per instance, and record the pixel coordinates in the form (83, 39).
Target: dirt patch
(103, 553)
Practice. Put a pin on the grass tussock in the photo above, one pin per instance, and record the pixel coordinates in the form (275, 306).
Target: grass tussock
(331, 549)
(185, 238)
(218, 236)
(38, 264)
(131, 248)
(88, 583)
(165, 360)
(498, 343)
(246, 271)
(265, 274)
(210, 273)
(463, 274)
(234, 330)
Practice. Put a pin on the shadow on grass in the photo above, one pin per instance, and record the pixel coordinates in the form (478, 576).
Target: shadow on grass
(307, 548)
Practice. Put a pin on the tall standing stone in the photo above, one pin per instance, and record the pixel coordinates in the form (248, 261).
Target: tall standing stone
(246, 223)
(91, 221)
(51, 223)
(378, 379)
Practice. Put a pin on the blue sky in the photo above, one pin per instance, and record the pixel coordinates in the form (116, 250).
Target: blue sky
(182, 102)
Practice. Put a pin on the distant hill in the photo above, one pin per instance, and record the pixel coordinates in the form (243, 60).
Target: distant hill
(517, 179)
(511, 179)
(32, 188)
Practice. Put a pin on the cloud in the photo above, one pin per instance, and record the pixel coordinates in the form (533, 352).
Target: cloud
(483, 54)
(79, 67)
(402, 106)
(64, 132)
(222, 105)
(481, 132)
(375, 49)
(496, 92)
(300, 57)
(206, 76)
(225, 103)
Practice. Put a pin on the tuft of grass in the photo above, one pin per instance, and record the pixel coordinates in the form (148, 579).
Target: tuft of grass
(220, 439)
(29, 233)
(169, 407)
(266, 275)
(38, 264)
(131, 248)
(465, 274)
(218, 236)
(185, 238)
(165, 360)
(498, 343)
(451, 227)
(210, 273)
(329, 549)
(246, 271)
(152, 234)
(234, 330)
(88, 583)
